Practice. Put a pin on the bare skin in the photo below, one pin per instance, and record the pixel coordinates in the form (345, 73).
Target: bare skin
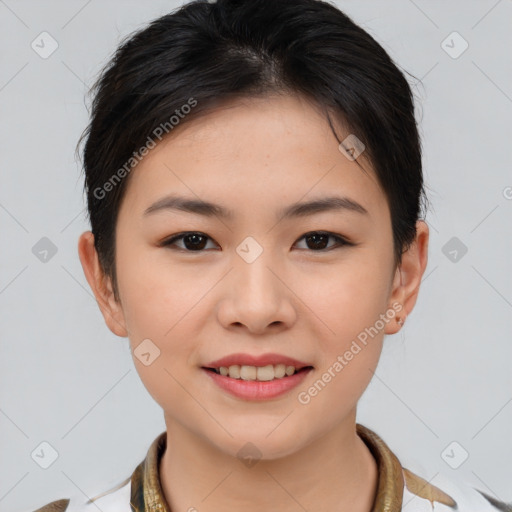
(254, 158)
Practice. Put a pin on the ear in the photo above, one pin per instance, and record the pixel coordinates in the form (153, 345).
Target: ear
(101, 285)
(407, 278)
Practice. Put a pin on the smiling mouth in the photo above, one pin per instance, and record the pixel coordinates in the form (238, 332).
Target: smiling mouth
(258, 373)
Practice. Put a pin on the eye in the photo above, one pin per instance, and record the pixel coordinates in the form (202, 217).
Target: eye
(318, 240)
(192, 240)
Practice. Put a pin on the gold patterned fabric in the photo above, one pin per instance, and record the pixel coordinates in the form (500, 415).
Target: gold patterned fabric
(55, 506)
(146, 492)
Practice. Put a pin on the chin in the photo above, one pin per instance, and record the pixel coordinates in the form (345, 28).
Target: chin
(255, 441)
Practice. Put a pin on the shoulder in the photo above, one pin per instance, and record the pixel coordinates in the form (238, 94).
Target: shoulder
(447, 495)
(116, 499)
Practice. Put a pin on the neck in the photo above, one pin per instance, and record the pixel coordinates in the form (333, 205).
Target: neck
(335, 472)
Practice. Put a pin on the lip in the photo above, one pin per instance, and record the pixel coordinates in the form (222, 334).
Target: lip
(261, 360)
(257, 390)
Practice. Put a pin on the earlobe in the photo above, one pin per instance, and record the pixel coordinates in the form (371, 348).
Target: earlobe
(408, 276)
(100, 285)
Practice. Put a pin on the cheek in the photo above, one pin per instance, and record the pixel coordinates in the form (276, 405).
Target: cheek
(155, 295)
(347, 297)
(157, 303)
(349, 305)
(160, 310)
(348, 300)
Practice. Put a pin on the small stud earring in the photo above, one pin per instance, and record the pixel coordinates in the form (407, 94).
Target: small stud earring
(400, 321)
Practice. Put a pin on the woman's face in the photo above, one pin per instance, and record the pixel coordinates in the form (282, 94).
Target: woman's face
(256, 284)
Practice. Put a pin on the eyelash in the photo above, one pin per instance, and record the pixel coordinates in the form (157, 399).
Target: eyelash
(340, 241)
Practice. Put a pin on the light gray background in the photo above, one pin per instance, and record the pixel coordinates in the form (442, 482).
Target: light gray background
(67, 380)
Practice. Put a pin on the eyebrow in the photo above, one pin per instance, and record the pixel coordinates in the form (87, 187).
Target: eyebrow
(208, 209)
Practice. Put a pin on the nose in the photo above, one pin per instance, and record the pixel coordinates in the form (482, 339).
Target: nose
(255, 296)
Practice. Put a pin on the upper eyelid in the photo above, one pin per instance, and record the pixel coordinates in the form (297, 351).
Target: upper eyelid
(179, 236)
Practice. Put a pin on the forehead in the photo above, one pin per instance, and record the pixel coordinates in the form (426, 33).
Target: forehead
(254, 153)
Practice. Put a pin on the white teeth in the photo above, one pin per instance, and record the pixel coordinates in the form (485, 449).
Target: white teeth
(260, 373)
(290, 370)
(279, 371)
(248, 372)
(234, 371)
(265, 372)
